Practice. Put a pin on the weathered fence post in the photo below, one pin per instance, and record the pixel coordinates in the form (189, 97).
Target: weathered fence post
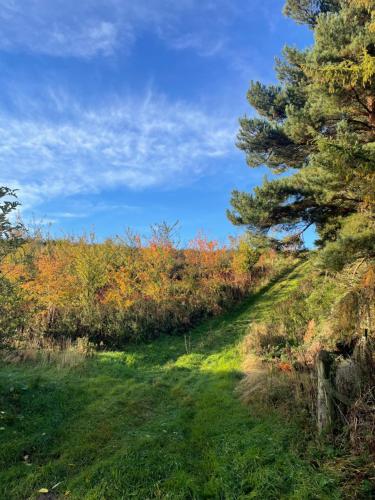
(325, 406)
(363, 356)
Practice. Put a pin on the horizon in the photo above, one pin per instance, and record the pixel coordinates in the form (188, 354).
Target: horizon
(129, 117)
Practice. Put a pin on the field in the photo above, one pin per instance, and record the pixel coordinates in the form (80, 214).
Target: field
(161, 420)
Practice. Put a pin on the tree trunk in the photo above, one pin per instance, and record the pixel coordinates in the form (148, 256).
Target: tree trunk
(371, 107)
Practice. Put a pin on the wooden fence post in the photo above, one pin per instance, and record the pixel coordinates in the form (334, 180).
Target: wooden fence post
(325, 406)
(363, 356)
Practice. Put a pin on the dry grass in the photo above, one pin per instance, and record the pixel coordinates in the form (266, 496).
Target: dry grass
(275, 383)
(63, 353)
(287, 390)
(264, 338)
(361, 423)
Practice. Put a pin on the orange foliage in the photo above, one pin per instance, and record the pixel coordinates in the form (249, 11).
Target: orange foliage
(118, 290)
(284, 367)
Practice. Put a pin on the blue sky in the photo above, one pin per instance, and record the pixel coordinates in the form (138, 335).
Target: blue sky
(118, 113)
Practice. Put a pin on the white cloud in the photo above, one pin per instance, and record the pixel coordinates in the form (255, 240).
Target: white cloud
(131, 143)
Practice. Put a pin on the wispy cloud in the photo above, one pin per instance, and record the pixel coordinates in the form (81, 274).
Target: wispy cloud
(134, 143)
(60, 28)
(82, 209)
(87, 28)
(202, 44)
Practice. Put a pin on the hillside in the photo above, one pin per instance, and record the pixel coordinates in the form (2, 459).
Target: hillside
(160, 420)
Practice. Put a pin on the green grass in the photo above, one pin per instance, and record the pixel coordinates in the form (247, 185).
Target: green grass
(154, 422)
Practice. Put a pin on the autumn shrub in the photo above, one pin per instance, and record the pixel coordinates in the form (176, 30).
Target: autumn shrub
(129, 289)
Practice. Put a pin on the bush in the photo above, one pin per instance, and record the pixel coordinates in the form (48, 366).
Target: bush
(12, 310)
(265, 339)
(125, 290)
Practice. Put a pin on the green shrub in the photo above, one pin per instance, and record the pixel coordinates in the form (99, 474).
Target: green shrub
(12, 311)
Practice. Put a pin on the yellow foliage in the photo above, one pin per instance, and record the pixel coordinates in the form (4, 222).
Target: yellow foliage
(346, 74)
(113, 288)
(369, 5)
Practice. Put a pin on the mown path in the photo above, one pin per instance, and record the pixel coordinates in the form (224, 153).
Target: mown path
(154, 422)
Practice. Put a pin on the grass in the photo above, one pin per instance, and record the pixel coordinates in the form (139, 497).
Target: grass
(154, 421)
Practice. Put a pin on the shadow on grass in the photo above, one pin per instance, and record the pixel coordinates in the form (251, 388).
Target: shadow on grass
(182, 434)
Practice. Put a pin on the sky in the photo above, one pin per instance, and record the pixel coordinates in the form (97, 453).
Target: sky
(123, 113)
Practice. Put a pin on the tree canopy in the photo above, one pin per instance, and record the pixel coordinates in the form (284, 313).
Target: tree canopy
(6, 207)
(9, 231)
(317, 128)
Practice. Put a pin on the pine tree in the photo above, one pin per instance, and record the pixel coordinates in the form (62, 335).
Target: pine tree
(317, 126)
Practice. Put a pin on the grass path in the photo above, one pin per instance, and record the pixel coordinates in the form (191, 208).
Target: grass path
(153, 422)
